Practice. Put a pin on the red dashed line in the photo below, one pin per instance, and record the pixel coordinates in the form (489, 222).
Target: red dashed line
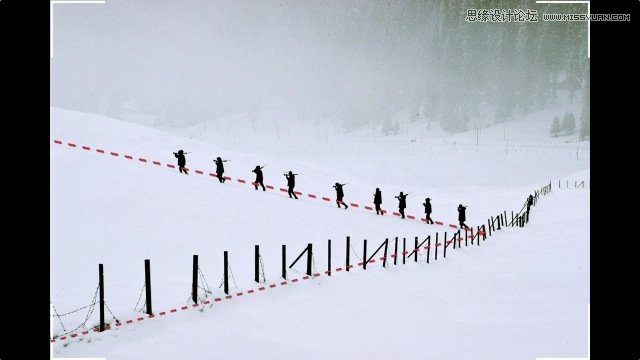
(63, 338)
(423, 219)
(57, 142)
(372, 261)
(228, 297)
(411, 217)
(173, 310)
(383, 211)
(206, 302)
(311, 196)
(250, 291)
(163, 313)
(261, 288)
(140, 319)
(294, 280)
(74, 335)
(396, 213)
(171, 166)
(439, 223)
(113, 153)
(360, 264)
(195, 305)
(117, 324)
(269, 187)
(184, 307)
(239, 294)
(129, 321)
(339, 269)
(156, 163)
(349, 267)
(453, 226)
(368, 207)
(71, 144)
(128, 157)
(227, 177)
(217, 299)
(305, 278)
(326, 198)
(100, 151)
(142, 159)
(316, 274)
(199, 172)
(86, 148)
(283, 190)
(87, 331)
(297, 192)
(241, 181)
(283, 283)
(353, 204)
(480, 232)
(272, 285)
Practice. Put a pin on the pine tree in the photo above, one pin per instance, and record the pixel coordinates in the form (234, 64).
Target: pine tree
(555, 126)
(569, 123)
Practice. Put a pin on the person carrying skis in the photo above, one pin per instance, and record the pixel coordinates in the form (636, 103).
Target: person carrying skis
(427, 210)
(340, 194)
(220, 168)
(402, 202)
(181, 161)
(462, 216)
(529, 203)
(291, 183)
(377, 200)
(259, 179)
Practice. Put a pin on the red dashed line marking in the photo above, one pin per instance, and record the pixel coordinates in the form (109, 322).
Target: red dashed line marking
(241, 181)
(100, 151)
(63, 338)
(228, 297)
(316, 274)
(217, 299)
(368, 207)
(439, 223)
(294, 280)
(311, 196)
(113, 153)
(326, 198)
(129, 321)
(86, 148)
(195, 305)
(283, 190)
(57, 142)
(171, 166)
(396, 213)
(360, 264)
(411, 217)
(305, 278)
(453, 226)
(353, 204)
(283, 283)
(199, 172)
(71, 144)
(297, 192)
(213, 174)
(206, 302)
(140, 319)
(339, 269)
(349, 267)
(163, 313)
(74, 335)
(269, 187)
(142, 159)
(173, 310)
(227, 177)
(250, 291)
(156, 163)
(261, 288)
(239, 294)
(272, 285)
(128, 157)
(184, 307)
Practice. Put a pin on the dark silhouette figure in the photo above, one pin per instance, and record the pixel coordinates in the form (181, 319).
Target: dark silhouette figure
(340, 194)
(291, 183)
(181, 161)
(529, 203)
(259, 179)
(220, 168)
(462, 216)
(402, 202)
(427, 210)
(377, 200)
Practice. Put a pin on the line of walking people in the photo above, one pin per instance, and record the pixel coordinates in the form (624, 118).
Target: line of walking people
(291, 183)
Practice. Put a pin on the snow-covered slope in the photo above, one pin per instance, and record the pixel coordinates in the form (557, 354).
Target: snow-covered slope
(516, 296)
